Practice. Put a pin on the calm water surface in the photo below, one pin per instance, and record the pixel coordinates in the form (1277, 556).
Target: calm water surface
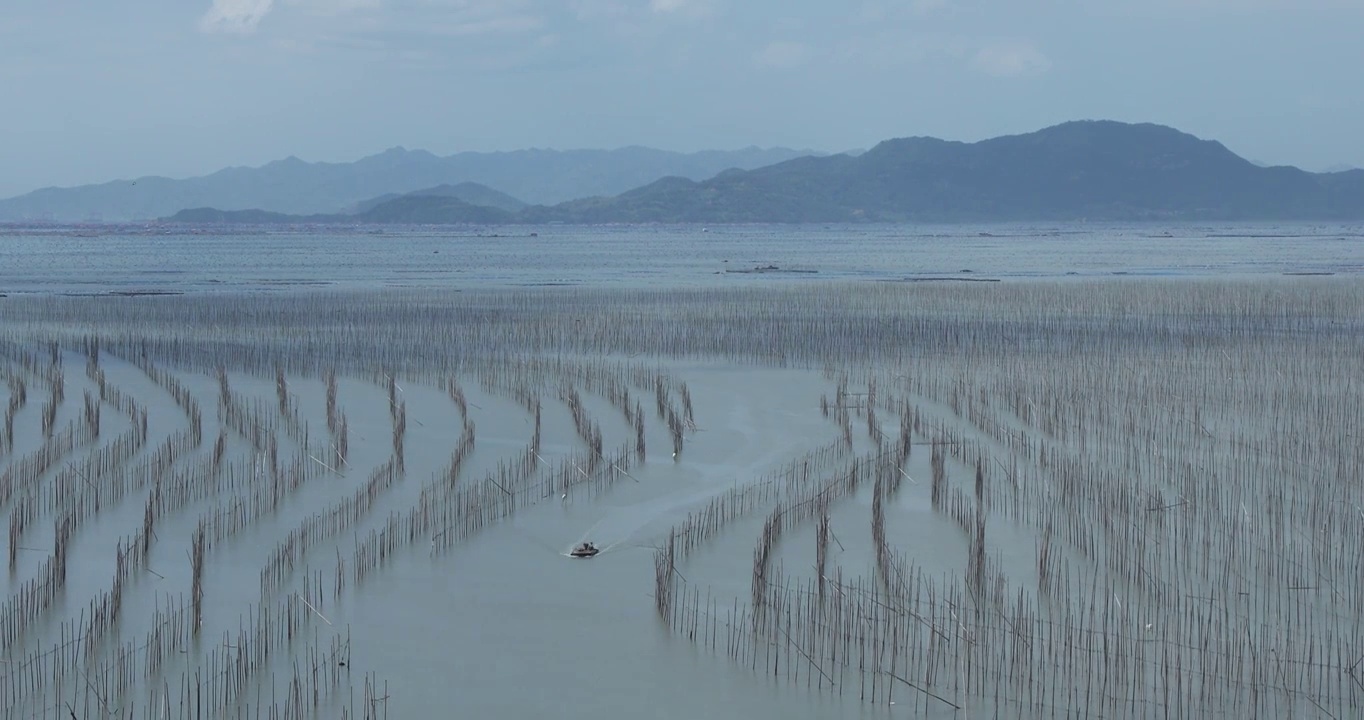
(504, 626)
(85, 260)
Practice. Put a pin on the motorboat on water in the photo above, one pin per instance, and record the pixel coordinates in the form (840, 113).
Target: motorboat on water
(584, 550)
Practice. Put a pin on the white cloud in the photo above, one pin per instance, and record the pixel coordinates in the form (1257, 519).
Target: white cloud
(927, 6)
(886, 50)
(464, 18)
(336, 7)
(234, 16)
(781, 55)
(688, 8)
(881, 12)
(1011, 60)
(640, 25)
(1236, 6)
(469, 26)
(242, 16)
(317, 19)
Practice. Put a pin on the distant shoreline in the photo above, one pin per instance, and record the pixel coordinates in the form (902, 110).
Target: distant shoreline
(1346, 228)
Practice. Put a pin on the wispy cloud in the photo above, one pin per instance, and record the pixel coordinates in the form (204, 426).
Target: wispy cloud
(635, 12)
(781, 55)
(468, 27)
(886, 50)
(1011, 59)
(315, 21)
(417, 35)
(692, 8)
(1185, 8)
(235, 16)
(336, 7)
(648, 29)
(684, 8)
(881, 12)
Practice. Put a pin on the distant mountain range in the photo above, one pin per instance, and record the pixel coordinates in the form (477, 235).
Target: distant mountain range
(1098, 170)
(1083, 170)
(464, 203)
(292, 186)
(471, 193)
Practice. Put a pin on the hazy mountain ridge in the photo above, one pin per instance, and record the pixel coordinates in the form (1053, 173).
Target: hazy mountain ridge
(445, 204)
(293, 186)
(1082, 170)
(468, 192)
(1073, 171)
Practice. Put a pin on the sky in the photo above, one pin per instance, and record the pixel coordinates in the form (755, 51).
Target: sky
(92, 92)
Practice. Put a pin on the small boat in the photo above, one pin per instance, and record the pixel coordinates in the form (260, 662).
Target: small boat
(584, 550)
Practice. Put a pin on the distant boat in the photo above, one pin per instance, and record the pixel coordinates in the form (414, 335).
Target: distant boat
(584, 550)
(769, 269)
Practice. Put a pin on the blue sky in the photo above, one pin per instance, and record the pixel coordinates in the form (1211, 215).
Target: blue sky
(98, 91)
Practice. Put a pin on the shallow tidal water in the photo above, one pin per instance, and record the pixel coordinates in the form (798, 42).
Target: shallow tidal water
(501, 623)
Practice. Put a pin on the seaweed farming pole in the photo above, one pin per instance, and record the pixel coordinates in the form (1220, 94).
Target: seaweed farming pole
(197, 577)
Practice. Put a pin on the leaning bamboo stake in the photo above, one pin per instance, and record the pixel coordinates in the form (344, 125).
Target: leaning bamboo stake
(310, 607)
